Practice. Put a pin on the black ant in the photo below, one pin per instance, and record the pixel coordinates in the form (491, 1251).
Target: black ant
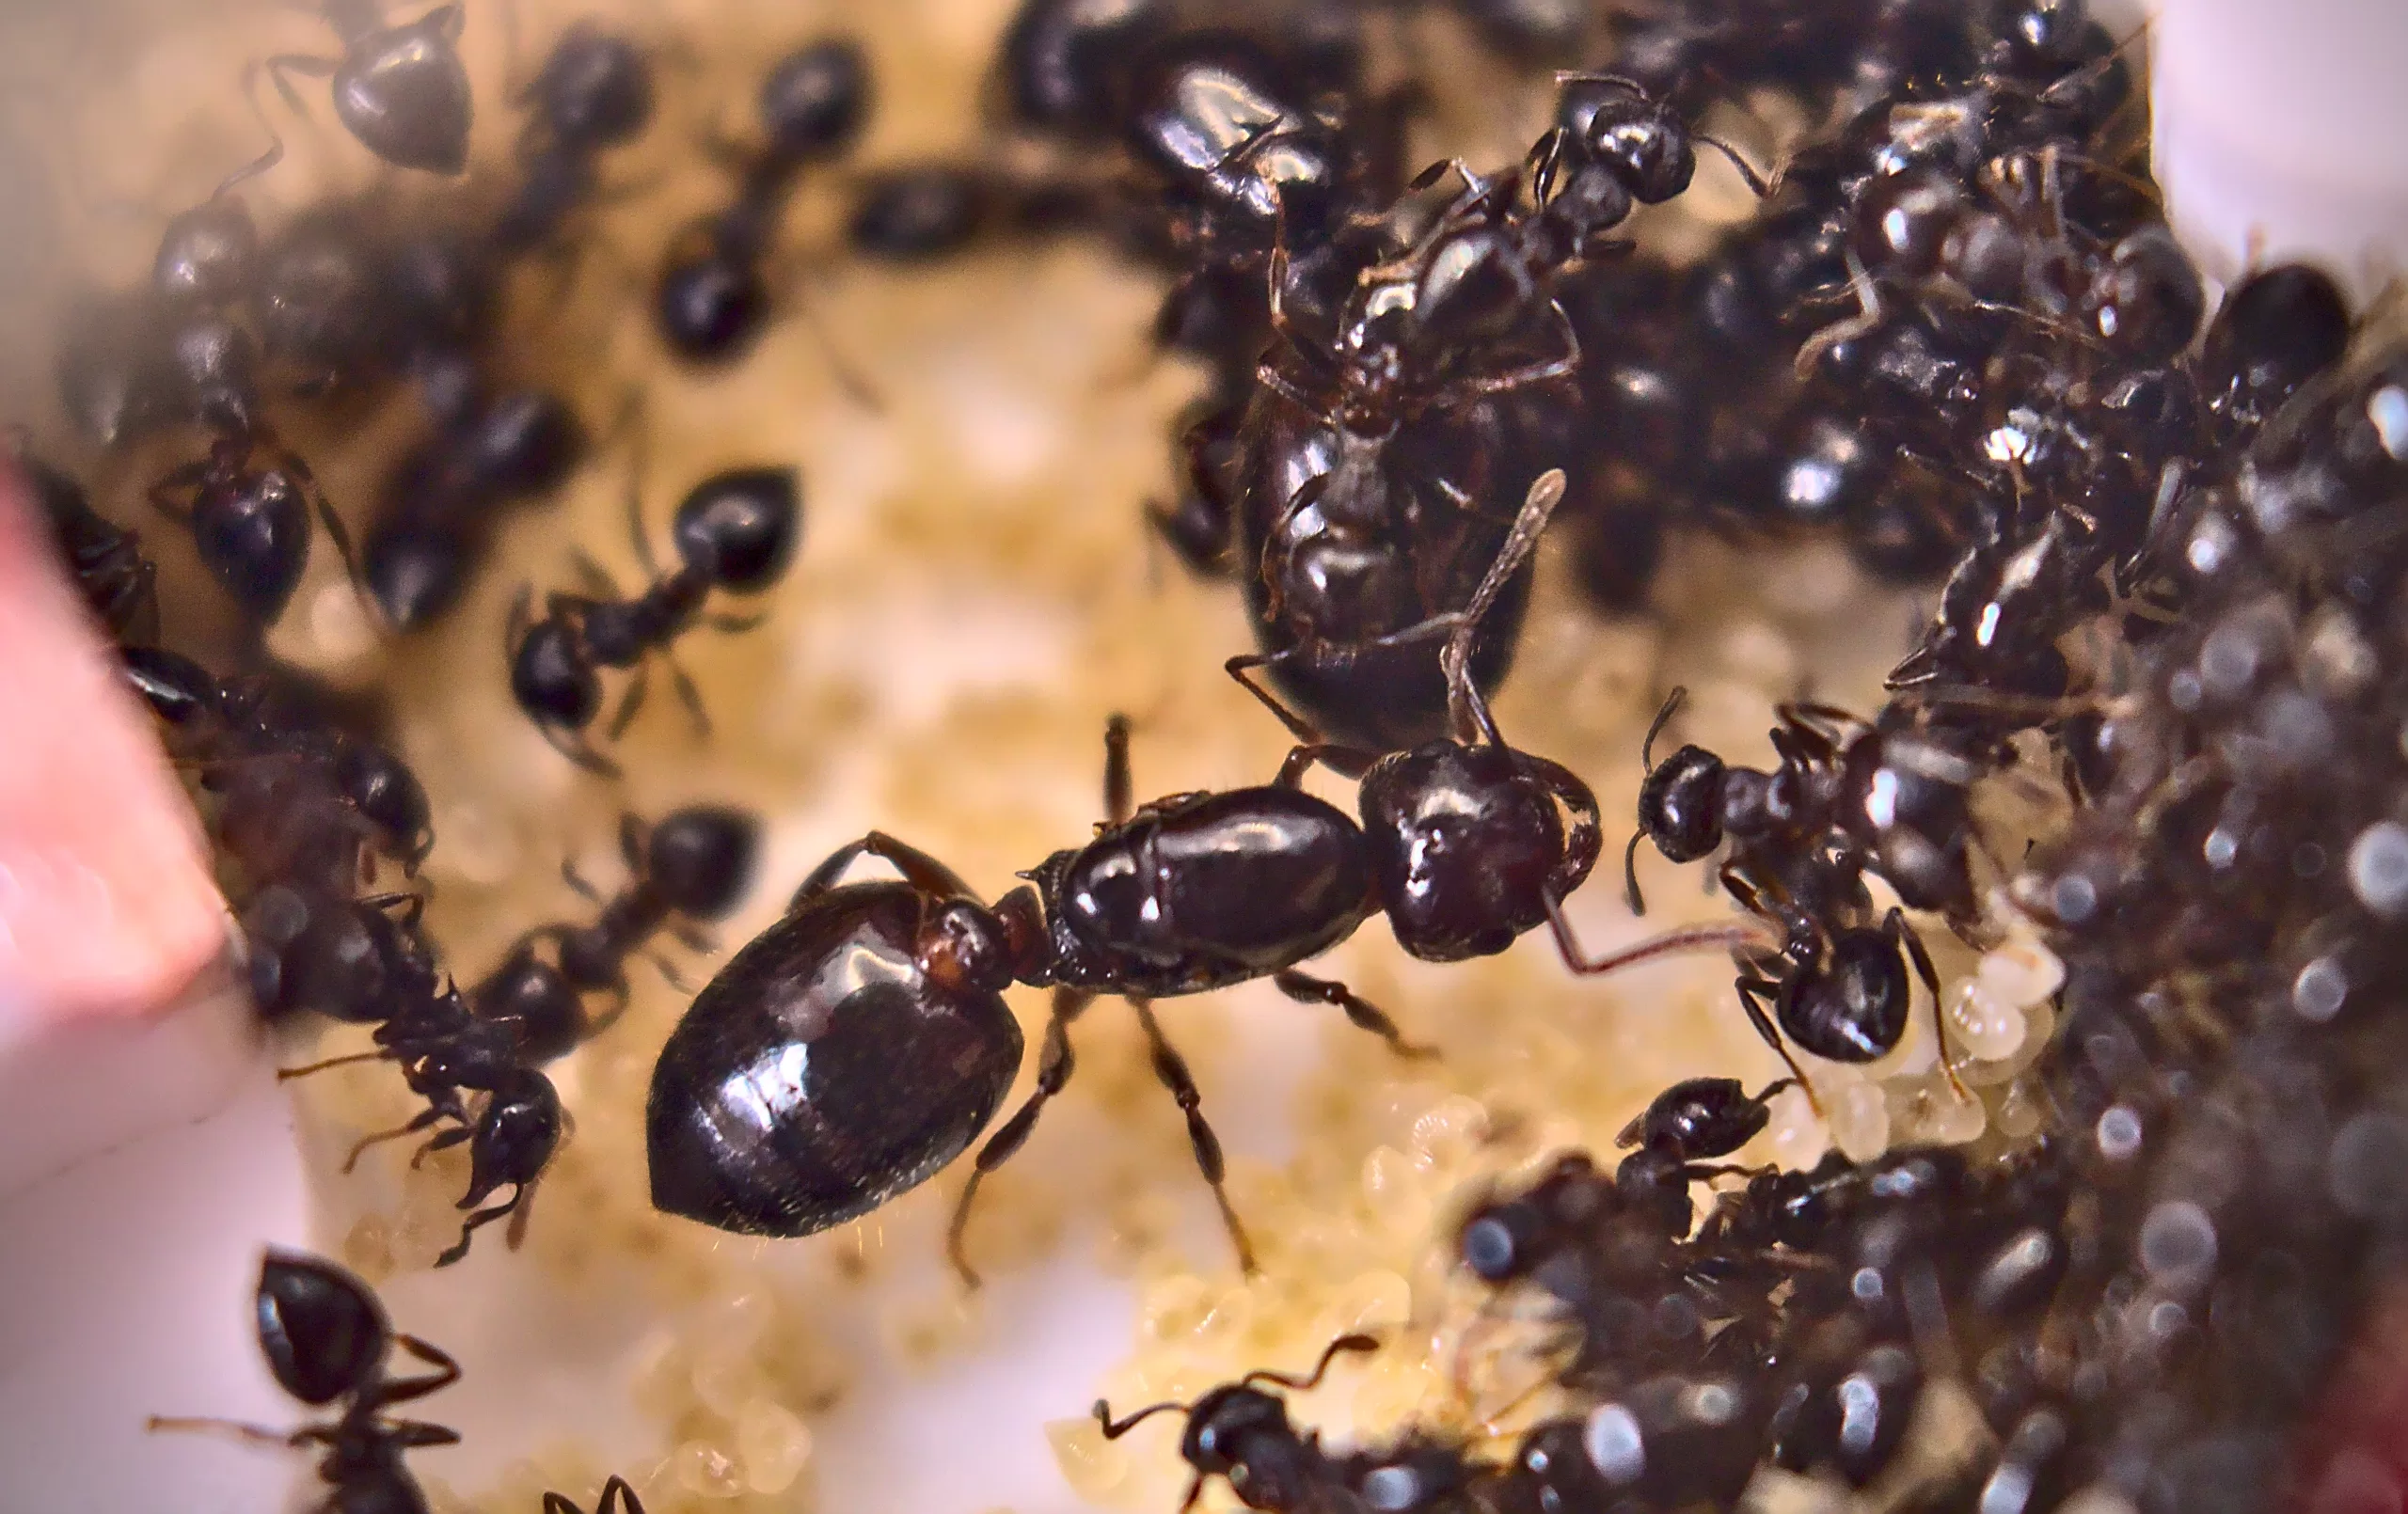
(712, 302)
(735, 530)
(1614, 145)
(281, 768)
(402, 90)
(327, 1339)
(349, 959)
(118, 585)
(1240, 1432)
(694, 866)
(594, 91)
(617, 1498)
(445, 1051)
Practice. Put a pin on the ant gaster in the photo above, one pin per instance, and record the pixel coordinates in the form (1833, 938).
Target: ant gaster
(402, 90)
(118, 585)
(327, 1339)
(735, 531)
(1240, 1432)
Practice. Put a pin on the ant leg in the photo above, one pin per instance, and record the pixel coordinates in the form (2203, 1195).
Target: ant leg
(340, 535)
(522, 1206)
(856, 384)
(1733, 936)
(483, 1217)
(1054, 1065)
(1120, 789)
(617, 1496)
(1868, 317)
(1748, 172)
(593, 575)
(688, 696)
(1630, 873)
(1320, 1368)
(1346, 761)
(692, 936)
(443, 1141)
(637, 686)
(300, 63)
(1895, 926)
(918, 868)
(1565, 363)
(1172, 1069)
(735, 624)
(401, 1390)
(360, 1147)
(573, 746)
(1238, 667)
(1306, 990)
(1750, 988)
(635, 418)
(186, 1424)
(632, 834)
(184, 476)
(669, 974)
(1463, 696)
(288, 1074)
(274, 153)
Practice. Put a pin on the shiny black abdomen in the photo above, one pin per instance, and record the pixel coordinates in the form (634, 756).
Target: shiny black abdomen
(821, 1073)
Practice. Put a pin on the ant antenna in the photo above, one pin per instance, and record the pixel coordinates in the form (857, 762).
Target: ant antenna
(1466, 705)
(1320, 1368)
(1115, 1428)
(1663, 717)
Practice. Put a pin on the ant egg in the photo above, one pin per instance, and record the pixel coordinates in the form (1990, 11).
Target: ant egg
(1094, 1467)
(1983, 1025)
(1396, 1191)
(1369, 1302)
(2020, 973)
(1175, 1307)
(1859, 1118)
(773, 1443)
(703, 1469)
(1446, 1134)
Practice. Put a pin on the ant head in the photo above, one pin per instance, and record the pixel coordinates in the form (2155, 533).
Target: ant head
(323, 1333)
(1643, 144)
(1221, 1423)
(965, 947)
(739, 527)
(514, 1137)
(1466, 847)
(1680, 804)
(814, 100)
(207, 254)
(595, 89)
(543, 1009)
(404, 92)
(389, 796)
(700, 858)
(551, 679)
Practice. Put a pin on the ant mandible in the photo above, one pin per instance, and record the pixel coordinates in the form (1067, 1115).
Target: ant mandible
(1238, 1432)
(327, 1339)
(735, 530)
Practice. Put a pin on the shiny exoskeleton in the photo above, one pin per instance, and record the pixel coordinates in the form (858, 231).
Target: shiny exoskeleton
(594, 92)
(402, 90)
(118, 585)
(713, 298)
(326, 1338)
(691, 868)
(735, 532)
(1241, 1432)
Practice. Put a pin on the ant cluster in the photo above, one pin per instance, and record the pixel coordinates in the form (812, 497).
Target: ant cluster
(1954, 336)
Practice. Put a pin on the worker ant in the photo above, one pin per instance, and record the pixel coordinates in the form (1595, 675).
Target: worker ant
(327, 1339)
(694, 866)
(736, 532)
(402, 90)
(445, 1051)
(617, 1498)
(712, 302)
(594, 91)
(1242, 1433)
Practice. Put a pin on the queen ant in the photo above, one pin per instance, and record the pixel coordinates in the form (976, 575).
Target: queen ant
(735, 532)
(327, 1339)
